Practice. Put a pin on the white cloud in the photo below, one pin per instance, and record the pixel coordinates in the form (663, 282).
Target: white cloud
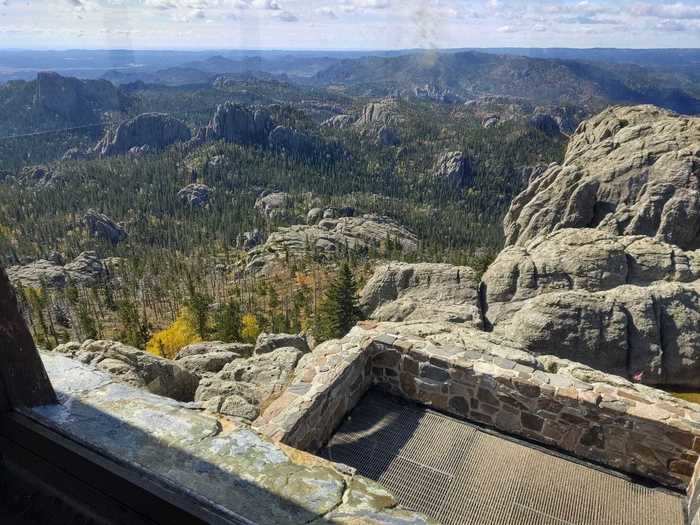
(507, 29)
(286, 16)
(327, 12)
(678, 10)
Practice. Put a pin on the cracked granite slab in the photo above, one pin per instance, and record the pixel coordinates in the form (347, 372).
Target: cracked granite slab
(223, 463)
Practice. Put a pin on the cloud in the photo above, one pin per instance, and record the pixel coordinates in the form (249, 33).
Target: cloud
(270, 5)
(286, 16)
(327, 12)
(507, 29)
(678, 10)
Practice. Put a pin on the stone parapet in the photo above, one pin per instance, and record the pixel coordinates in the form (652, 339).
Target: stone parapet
(327, 385)
(589, 414)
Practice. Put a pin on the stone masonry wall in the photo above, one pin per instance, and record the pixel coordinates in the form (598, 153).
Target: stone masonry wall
(328, 384)
(592, 415)
(616, 425)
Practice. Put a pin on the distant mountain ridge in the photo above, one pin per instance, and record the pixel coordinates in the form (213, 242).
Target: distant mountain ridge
(471, 74)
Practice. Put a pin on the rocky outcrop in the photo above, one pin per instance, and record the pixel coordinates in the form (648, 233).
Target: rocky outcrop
(87, 269)
(453, 167)
(602, 265)
(135, 367)
(194, 195)
(338, 122)
(414, 292)
(155, 130)
(208, 358)
(581, 259)
(249, 240)
(245, 386)
(267, 343)
(291, 141)
(78, 101)
(240, 125)
(273, 205)
(99, 225)
(40, 176)
(331, 238)
(379, 121)
(629, 170)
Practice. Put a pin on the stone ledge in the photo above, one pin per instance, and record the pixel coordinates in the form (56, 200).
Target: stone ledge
(223, 464)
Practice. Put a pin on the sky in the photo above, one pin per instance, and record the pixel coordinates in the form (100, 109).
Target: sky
(346, 24)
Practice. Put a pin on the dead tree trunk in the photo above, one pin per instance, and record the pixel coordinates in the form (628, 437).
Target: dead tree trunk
(23, 378)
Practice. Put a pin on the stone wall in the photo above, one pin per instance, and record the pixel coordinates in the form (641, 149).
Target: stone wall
(604, 419)
(584, 412)
(328, 384)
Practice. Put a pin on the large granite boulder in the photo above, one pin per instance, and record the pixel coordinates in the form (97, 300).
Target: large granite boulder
(267, 343)
(87, 269)
(208, 358)
(154, 130)
(601, 264)
(240, 125)
(99, 225)
(135, 367)
(331, 238)
(246, 386)
(194, 195)
(581, 259)
(415, 292)
(629, 170)
(273, 205)
(338, 122)
(647, 333)
(452, 167)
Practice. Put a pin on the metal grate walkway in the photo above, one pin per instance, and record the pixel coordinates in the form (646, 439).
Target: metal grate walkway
(459, 474)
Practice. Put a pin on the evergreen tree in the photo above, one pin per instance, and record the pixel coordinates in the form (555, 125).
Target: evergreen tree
(227, 322)
(339, 311)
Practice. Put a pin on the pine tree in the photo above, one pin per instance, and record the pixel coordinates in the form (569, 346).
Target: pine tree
(227, 322)
(340, 310)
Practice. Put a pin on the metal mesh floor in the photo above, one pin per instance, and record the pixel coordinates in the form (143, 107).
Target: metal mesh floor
(457, 473)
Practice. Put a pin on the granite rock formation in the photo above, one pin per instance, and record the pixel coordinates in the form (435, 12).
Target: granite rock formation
(240, 125)
(87, 269)
(208, 358)
(330, 238)
(267, 343)
(273, 205)
(601, 264)
(629, 170)
(155, 130)
(194, 195)
(453, 167)
(99, 225)
(410, 292)
(135, 367)
(245, 386)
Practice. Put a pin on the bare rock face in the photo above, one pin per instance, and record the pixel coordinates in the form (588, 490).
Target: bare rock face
(135, 367)
(79, 101)
(602, 263)
(331, 238)
(240, 125)
(245, 386)
(290, 140)
(99, 225)
(453, 167)
(85, 270)
(267, 343)
(194, 195)
(581, 259)
(338, 122)
(208, 358)
(155, 130)
(273, 205)
(629, 170)
(415, 292)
